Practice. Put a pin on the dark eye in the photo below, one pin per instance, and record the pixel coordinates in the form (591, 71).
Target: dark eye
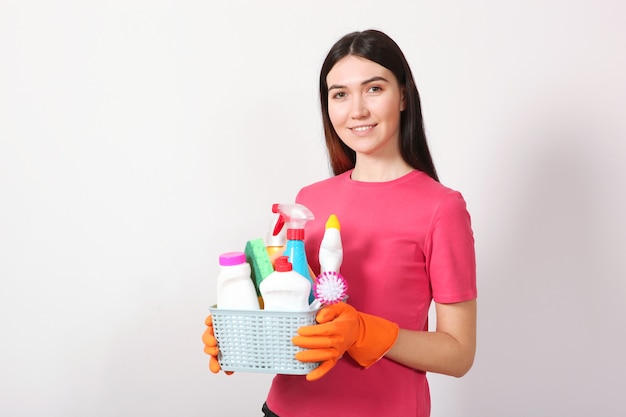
(339, 94)
(375, 89)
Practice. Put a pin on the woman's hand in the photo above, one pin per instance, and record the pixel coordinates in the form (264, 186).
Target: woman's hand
(210, 347)
(343, 329)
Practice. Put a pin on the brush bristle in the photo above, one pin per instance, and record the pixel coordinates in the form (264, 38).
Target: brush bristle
(330, 288)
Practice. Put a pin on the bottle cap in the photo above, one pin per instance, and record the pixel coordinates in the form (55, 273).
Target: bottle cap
(295, 234)
(232, 258)
(282, 264)
(333, 222)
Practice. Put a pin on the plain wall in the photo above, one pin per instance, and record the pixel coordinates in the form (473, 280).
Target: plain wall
(140, 139)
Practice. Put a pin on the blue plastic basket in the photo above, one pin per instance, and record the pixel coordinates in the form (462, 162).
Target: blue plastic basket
(260, 340)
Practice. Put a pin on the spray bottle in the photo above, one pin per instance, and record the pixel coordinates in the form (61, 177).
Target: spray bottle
(275, 243)
(295, 216)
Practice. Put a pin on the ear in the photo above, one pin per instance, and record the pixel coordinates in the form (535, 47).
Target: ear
(403, 99)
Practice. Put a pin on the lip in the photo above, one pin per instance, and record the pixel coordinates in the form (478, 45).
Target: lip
(362, 129)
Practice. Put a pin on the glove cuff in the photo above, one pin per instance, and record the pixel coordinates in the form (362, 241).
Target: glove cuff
(376, 337)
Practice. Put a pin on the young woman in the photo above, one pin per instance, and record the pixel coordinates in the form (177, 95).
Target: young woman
(407, 242)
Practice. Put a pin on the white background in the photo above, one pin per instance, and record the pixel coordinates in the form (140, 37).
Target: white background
(140, 139)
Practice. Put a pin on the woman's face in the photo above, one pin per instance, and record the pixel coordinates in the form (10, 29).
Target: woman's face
(364, 105)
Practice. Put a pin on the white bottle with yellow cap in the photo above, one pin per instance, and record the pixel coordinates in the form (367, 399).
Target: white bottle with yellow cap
(331, 249)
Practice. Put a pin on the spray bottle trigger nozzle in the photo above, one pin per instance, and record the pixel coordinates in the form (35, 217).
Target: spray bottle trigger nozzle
(280, 222)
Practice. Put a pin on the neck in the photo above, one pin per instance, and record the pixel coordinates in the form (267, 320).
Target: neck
(375, 170)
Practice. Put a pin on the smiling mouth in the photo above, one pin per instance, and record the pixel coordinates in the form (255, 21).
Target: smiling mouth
(362, 128)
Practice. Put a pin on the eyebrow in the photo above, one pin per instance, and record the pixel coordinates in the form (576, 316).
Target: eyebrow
(369, 80)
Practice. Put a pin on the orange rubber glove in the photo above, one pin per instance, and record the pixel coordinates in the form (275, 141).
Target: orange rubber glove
(210, 347)
(343, 329)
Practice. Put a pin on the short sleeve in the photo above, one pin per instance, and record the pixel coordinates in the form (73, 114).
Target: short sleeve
(450, 253)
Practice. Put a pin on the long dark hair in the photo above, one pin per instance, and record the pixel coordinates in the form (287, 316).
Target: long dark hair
(380, 48)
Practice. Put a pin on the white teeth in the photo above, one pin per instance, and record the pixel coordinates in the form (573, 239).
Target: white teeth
(362, 128)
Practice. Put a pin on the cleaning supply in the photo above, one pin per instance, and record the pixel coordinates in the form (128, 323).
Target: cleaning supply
(342, 328)
(331, 249)
(330, 286)
(259, 260)
(235, 289)
(275, 244)
(295, 217)
(285, 289)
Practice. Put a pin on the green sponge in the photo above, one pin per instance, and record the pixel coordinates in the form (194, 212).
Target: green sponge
(259, 260)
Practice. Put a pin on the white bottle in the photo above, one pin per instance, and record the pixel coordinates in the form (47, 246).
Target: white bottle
(235, 289)
(285, 289)
(331, 249)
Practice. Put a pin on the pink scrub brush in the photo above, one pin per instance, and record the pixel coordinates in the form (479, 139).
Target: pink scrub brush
(330, 288)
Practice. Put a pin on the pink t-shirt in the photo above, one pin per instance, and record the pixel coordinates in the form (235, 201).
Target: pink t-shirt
(405, 242)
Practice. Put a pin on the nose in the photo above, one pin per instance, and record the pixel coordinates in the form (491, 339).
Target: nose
(359, 108)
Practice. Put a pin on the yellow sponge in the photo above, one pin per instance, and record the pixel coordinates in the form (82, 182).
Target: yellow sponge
(259, 260)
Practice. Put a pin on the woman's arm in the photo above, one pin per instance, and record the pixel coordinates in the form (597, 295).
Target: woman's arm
(448, 350)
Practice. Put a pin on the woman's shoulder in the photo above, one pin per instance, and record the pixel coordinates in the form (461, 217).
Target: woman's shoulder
(325, 185)
(430, 195)
(429, 186)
